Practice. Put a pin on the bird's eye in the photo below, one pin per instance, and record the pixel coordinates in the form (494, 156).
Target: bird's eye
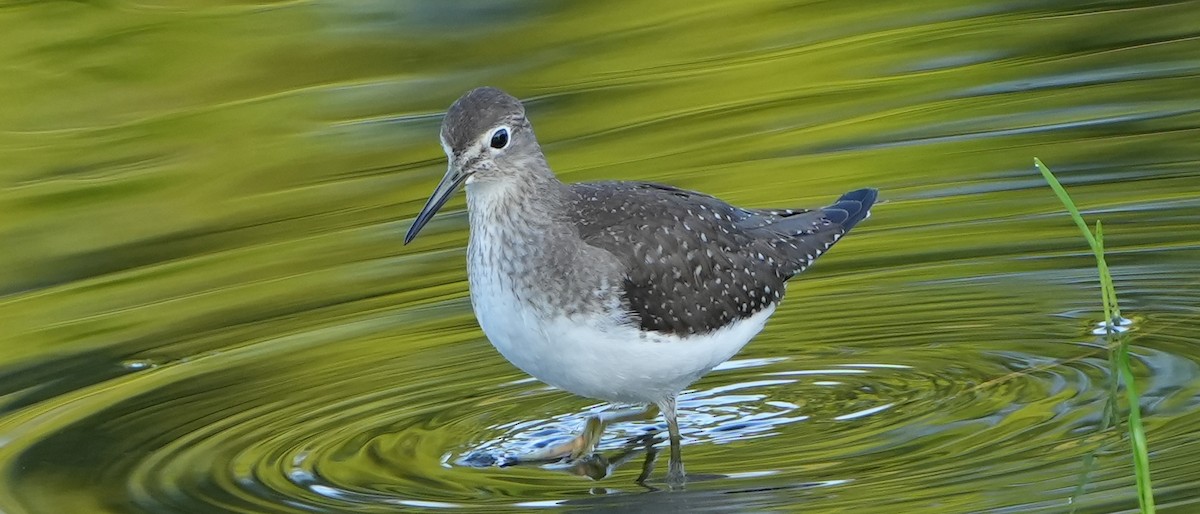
(500, 138)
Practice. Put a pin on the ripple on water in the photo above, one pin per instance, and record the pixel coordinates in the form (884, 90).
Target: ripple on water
(239, 330)
(332, 420)
(362, 428)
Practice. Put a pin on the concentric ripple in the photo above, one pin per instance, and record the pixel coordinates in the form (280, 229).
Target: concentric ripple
(330, 420)
(207, 307)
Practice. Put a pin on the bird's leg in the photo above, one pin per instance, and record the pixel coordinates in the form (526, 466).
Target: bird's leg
(648, 463)
(597, 466)
(675, 474)
(583, 444)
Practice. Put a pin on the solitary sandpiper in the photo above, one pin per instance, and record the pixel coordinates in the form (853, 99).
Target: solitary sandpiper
(625, 292)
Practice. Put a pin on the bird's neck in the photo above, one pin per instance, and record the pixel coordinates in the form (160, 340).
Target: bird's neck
(536, 198)
(517, 228)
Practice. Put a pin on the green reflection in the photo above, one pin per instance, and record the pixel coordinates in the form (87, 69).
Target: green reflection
(207, 307)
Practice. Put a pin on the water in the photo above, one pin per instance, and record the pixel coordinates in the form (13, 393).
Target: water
(207, 308)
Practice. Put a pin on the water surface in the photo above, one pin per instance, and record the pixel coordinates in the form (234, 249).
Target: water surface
(207, 307)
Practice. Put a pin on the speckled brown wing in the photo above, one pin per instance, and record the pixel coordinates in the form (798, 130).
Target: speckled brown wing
(693, 263)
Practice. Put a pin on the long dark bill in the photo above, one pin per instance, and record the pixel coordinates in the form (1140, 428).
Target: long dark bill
(444, 191)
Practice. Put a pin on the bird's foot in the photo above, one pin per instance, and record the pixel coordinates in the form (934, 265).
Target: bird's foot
(676, 478)
(577, 448)
(580, 451)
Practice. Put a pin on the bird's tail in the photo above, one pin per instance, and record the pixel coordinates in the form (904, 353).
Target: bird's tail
(852, 207)
(809, 234)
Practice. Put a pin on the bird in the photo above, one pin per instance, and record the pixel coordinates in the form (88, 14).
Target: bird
(625, 292)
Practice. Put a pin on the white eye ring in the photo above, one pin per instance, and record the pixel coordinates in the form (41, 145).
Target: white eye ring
(500, 138)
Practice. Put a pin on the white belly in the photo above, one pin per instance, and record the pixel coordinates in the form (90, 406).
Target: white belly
(597, 358)
(598, 355)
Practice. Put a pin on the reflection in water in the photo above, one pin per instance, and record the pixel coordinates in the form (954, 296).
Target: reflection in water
(207, 308)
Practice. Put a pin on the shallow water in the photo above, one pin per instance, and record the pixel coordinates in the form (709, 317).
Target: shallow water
(207, 306)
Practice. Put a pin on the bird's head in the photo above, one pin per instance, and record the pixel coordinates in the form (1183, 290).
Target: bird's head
(486, 138)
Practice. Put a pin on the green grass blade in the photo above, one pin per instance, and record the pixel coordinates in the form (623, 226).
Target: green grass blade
(1066, 200)
(1087, 234)
(1137, 434)
(1107, 296)
(1112, 311)
(1118, 358)
(1105, 276)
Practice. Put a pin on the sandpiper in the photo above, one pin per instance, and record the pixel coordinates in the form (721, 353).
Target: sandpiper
(625, 292)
